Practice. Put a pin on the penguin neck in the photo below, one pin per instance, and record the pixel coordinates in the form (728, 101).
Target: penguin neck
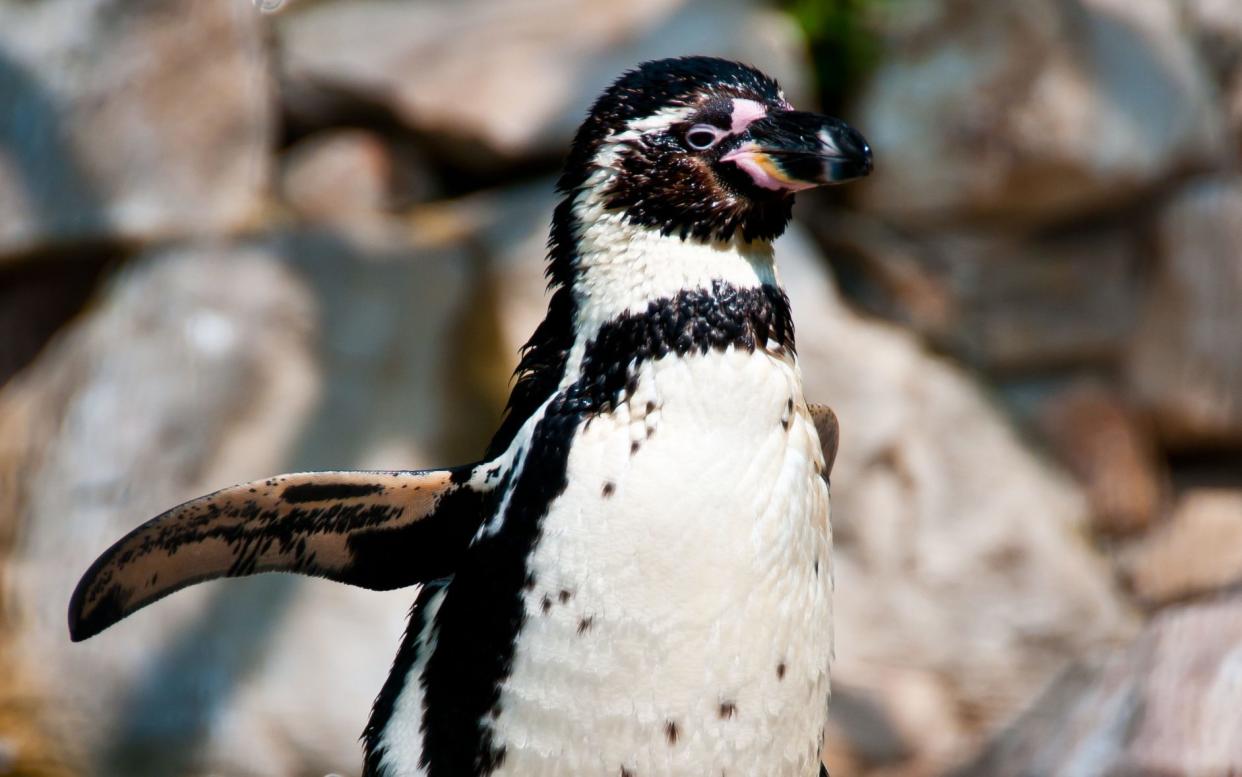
(603, 267)
(624, 268)
(627, 270)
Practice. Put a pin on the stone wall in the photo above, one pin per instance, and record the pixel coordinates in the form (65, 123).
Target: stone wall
(235, 243)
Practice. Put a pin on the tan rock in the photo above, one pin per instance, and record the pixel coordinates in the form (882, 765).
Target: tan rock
(1185, 367)
(337, 175)
(1168, 705)
(129, 121)
(546, 60)
(1030, 112)
(1199, 551)
(1105, 446)
(348, 174)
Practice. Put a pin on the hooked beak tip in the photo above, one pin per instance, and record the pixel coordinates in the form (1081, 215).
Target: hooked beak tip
(845, 152)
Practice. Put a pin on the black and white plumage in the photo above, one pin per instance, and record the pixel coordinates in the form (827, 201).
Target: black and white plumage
(636, 579)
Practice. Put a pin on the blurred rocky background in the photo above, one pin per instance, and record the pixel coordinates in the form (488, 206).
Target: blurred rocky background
(240, 240)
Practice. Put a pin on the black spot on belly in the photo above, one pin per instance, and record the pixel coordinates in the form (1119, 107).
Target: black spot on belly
(608, 489)
(546, 604)
(626, 772)
(564, 596)
(584, 625)
(780, 671)
(727, 710)
(634, 446)
(672, 732)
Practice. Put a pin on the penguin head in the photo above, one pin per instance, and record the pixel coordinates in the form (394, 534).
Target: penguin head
(705, 148)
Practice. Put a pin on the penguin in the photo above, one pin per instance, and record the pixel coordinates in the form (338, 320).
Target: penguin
(635, 580)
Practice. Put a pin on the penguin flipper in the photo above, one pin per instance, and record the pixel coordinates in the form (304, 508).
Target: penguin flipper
(829, 433)
(377, 530)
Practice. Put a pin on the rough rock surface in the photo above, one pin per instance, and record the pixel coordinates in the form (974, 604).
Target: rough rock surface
(1186, 362)
(1167, 706)
(1197, 552)
(963, 580)
(203, 366)
(986, 110)
(129, 120)
(340, 174)
(960, 556)
(1042, 211)
(1001, 301)
(546, 59)
(345, 175)
(1103, 443)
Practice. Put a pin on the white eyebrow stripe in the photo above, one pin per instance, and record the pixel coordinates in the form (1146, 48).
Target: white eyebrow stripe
(661, 119)
(746, 111)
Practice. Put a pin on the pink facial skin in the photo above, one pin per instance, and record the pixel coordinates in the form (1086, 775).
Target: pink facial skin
(749, 160)
(744, 112)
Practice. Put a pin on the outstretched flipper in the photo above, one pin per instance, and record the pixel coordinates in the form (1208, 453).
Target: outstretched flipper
(829, 434)
(377, 530)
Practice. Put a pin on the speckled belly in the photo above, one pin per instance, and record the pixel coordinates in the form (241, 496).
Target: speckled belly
(680, 620)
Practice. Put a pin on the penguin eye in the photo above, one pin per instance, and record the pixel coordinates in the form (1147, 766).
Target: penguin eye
(701, 137)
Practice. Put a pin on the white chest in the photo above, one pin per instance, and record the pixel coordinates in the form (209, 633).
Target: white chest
(680, 617)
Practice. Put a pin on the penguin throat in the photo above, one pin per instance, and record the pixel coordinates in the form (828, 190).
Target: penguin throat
(624, 269)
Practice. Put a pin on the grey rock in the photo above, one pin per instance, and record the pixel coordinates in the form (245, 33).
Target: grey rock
(200, 366)
(1185, 363)
(129, 121)
(962, 571)
(1217, 26)
(1008, 303)
(1032, 112)
(546, 60)
(1167, 705)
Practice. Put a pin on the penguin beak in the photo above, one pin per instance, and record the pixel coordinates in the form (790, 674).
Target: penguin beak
(795, 150)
